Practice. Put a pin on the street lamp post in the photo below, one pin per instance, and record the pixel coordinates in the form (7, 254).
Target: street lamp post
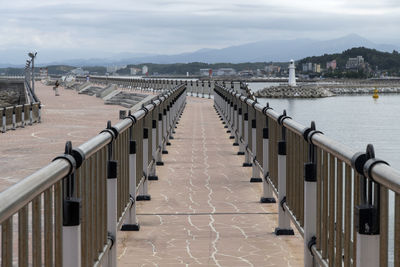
(32, 56)
(27, 72)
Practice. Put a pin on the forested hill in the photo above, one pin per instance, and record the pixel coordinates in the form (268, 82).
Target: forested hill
(384, 60)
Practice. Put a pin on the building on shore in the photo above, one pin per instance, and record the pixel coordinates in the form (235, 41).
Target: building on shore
(226, 72)
(331, 65)
(206, 72)
(44, 73)
(355, 63)
(246, 73)
(311, 67)
(272, 69)
(135, 71)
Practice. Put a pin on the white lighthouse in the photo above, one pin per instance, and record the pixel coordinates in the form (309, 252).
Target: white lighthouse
(292, 75)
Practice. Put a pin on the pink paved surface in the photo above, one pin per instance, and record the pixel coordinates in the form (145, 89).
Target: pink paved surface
(204, 211)
(67, 117)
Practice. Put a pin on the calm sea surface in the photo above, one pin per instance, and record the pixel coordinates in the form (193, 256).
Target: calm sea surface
(354, 121)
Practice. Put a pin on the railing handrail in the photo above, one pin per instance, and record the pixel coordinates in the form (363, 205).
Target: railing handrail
(18, 195)
(380, 172)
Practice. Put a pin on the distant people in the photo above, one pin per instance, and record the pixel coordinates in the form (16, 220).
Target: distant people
(55, 88)
(87, 78)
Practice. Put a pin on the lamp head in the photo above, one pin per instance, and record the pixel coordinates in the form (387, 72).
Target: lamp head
(32, 55)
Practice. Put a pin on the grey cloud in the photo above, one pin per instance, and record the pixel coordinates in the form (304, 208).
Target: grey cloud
(176, 26)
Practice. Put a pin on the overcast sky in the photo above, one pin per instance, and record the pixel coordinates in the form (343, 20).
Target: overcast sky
(85, 28)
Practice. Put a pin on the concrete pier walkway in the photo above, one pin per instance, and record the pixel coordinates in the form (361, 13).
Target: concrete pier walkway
(204, 211)
(66, 117)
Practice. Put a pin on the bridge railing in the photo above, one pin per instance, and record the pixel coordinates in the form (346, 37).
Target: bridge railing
(68, 213)
(19, 116)
(337, 199)
(194, 87)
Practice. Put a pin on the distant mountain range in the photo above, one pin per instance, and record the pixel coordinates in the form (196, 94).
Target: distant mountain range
(263, 51)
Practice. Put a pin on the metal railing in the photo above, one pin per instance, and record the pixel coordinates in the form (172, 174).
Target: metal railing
(197, 88)
(335, 197)
(68, 212)
(18, 116)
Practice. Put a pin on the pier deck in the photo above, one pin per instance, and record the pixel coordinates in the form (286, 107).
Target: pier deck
(204, 211)
(66, 117)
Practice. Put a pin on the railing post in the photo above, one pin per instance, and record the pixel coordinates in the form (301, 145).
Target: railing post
(160, 143)
(132, 223)
(4, 121)
(267, 190)
(39, 113)
(169, 130)
(283, 217)
(310, 197)
(31, 114)
(247, 162)
(152, 173)
(228, 116)
(23, 116)
(231, 120)
(143, 193)
(71, 229)
(235, 125)
(255, 178)
(13, 119)
(367, 214)
(240, 137)
(112, 210)
(165, 133)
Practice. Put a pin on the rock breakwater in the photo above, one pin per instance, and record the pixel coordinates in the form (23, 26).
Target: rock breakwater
(286, 91)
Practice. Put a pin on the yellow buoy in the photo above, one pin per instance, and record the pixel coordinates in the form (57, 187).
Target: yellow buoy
(375, 95)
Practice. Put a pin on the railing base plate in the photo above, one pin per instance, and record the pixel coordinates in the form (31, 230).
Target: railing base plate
(160, 163)
(267, 200)
(235, 144)
(255, 180)
(240, 153)
(165, 152)
(247, 164)
(143, 198)
(130, 227)
(279, 231)
(152, 178)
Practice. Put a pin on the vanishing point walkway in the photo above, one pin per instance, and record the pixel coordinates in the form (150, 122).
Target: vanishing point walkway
(204, 211)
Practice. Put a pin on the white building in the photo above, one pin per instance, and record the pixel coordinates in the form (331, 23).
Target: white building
(226, 72)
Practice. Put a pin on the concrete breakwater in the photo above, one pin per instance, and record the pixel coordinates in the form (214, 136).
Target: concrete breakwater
(12, 93)
(324, 90)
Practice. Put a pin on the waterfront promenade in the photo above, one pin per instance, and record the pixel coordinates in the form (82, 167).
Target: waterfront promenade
(67, 117)
(204, 211)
